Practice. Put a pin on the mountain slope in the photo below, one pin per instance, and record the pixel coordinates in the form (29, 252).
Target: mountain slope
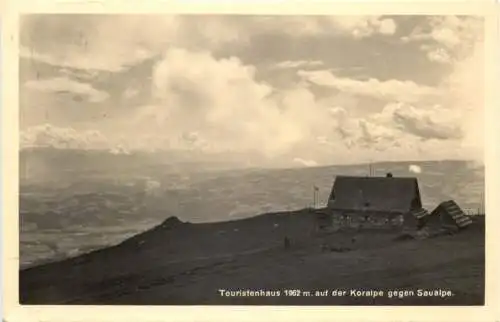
(178, 263)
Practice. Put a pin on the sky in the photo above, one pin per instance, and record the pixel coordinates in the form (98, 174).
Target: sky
(304, 90)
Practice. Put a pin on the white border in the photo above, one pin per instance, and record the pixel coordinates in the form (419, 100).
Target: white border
(10, 142)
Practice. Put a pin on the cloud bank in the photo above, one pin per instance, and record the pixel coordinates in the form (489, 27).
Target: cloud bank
(61, 85)
(201, 100)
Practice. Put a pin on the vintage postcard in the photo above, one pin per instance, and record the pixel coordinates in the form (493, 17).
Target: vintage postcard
(280, 161)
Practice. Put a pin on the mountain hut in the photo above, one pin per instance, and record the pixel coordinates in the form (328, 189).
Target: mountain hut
(373, 201)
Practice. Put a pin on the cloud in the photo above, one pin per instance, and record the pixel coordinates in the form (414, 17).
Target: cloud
(222, 101)
(217, 104)
(119, 149)
(389, 90)
(288, 64)
(63, 85)
(387, 27)
(439, 55)
(91, 42)
(447, 38)
(433, 122)
(363, 26)
(52, 136)
(48, 135)
(373, 135)
(398, 127)
(307, 163)
(152, 187)
(355, 27)
(80, 74)
(466, 90)
(130, 92)
(459, 43)
(456, 32)
(202, 101)
(413, 168)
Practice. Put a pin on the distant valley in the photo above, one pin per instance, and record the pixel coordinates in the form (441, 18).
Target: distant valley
(72, 202)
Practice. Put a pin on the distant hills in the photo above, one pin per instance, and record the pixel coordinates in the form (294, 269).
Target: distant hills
(75, 200)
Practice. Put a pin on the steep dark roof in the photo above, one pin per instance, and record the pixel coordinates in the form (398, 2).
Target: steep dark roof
(385, 194)
(451, 209)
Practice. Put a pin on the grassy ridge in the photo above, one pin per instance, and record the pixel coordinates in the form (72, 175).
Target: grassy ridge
(177, 263)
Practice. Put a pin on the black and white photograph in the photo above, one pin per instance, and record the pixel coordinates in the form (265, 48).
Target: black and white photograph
(251, 159)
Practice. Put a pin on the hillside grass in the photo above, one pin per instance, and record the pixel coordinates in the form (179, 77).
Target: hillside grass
(178, 263)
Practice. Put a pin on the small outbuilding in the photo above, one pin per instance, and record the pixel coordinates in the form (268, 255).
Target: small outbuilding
(448, 215)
